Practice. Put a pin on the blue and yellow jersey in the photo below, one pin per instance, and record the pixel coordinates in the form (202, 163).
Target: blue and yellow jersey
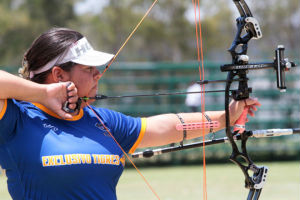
(46, 157)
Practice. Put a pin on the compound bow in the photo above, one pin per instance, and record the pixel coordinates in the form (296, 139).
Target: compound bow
(239, 68)
(247, 28)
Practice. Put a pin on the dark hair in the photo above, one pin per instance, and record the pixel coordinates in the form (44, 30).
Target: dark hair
(45, 48)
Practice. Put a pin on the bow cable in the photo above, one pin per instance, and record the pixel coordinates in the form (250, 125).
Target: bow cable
(201, 77)
(140, 173)
(107, 130)
(128, 38)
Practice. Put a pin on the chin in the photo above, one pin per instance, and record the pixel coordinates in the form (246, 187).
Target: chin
(93, 92)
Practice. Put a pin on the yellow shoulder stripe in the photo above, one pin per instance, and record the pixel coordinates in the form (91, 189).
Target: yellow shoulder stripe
(3, 109)
(141, 135)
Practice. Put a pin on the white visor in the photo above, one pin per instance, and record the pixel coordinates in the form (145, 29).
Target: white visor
(81, 52)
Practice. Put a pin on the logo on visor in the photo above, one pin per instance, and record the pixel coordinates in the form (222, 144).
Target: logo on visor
(81, 47)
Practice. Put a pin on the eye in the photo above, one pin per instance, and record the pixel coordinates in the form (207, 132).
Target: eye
(89, 69)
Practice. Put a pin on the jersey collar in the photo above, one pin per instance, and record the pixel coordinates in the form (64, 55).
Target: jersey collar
(51, 113)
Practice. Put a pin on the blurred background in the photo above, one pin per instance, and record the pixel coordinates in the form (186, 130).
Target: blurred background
(162, 56)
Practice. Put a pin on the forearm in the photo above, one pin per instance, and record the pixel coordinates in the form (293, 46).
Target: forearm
(161, 129)
(13, 87)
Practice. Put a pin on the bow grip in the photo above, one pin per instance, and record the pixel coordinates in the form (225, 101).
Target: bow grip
(239, 125)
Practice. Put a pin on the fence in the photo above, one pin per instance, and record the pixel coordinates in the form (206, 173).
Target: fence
(278, 110)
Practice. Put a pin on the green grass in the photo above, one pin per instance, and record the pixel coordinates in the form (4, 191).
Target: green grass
(223, 182)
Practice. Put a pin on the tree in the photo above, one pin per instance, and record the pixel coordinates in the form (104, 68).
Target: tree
(21, 23)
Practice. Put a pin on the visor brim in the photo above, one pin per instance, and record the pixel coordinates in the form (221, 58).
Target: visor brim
(93, 58)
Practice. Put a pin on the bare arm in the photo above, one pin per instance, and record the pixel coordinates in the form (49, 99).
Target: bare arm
(15, 87)
(1, 104)
(161, 129)
(50, 95)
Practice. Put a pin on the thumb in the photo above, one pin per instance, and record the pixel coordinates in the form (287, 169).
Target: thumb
(252, 102)
(63, 114)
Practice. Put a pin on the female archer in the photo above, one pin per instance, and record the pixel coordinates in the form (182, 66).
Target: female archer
(49, 153)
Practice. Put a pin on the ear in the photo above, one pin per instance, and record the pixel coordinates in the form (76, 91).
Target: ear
(59, 75)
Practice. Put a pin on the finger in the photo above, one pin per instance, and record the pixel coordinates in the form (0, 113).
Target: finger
(252, 101)
(253, 108)
(73, 99)
(71, 89)
(72, 106)
(65, 86)
(251, 113)
(72, 92)
(67, 116)
(64, 115)
(70, 85)
(257, 104)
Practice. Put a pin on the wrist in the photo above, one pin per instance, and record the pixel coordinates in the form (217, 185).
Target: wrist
(42, 93)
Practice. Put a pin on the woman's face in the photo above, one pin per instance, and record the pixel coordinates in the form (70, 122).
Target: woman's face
(85, 79)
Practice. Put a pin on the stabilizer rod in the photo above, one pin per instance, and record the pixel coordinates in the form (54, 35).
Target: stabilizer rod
(256, 134)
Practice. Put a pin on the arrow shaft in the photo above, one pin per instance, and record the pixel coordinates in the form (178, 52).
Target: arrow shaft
(101, 97)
